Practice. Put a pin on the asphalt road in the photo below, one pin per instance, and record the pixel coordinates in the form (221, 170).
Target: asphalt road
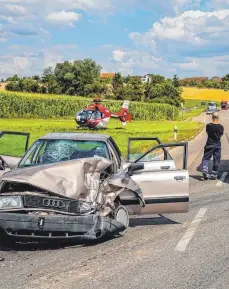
(180, 251)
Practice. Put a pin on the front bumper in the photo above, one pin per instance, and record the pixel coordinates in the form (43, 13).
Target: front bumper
(31, 227)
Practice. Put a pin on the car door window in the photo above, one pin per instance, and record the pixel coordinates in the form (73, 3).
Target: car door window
(182, 157)
(13, 143)
(138, 146)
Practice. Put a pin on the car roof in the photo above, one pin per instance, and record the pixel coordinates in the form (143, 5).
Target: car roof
(76, 136)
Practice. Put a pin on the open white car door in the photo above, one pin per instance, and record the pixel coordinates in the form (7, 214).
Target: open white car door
(165, 188)
(13, 145)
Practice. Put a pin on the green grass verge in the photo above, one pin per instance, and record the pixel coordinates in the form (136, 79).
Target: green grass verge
(38, 127)
(187, 115)
(190, 103)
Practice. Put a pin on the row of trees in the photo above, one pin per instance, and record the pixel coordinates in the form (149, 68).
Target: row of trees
(215, 83)
(83, 78)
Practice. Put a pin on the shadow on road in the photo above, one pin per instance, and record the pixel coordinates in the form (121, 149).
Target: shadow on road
(197, 177)
(224, 167)
(48, 246)
(10, 245)
(161, 220)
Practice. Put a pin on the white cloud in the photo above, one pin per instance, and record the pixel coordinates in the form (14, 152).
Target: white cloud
(64, 18)
(118, 55)
(186, 44)
(127, 62)
(189, 66)
(187, 41)
(220, 3)
(211, 66)
(27, 61)
(195, 27)
(181, 5)
(7, 19)
(85, 5)
(16, 9)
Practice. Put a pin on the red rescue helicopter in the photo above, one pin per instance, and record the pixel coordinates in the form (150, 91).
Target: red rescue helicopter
(97, 116)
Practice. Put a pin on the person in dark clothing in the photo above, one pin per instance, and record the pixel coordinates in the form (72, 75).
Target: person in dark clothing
(213, 147)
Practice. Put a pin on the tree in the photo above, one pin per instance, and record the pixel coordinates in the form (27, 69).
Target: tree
(107, 80)
(28, 85)
(134, 90)
(118, 87)
(86, 72)
(117, 81)
(36, 77)
(2, 80)
(50, 81)
(226, 78)
(193, 83)
(164, 92)
(200, 85)
(73, 77)
(46, 74)
(98, 89)
(13, 86)
(13, 78)
(127, 79)
(156, 78)
(64, 76)
(176, 82)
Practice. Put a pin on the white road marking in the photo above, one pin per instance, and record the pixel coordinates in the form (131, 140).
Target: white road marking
(222, 179)
(183, 243)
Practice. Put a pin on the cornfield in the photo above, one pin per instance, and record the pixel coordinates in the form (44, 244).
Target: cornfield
(205, 94)
(26, 105)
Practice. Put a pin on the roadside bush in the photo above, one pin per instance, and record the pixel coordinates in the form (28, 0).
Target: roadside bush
(26, 105)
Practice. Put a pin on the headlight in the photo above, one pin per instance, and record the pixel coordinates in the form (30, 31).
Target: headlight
(10, 202)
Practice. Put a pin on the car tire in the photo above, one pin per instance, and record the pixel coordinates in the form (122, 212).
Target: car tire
(122, 216)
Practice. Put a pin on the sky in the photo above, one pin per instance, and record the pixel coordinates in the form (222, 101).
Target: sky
(167, 37)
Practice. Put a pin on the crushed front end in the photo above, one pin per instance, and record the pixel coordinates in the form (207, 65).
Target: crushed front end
(75, 203)
(32, 216)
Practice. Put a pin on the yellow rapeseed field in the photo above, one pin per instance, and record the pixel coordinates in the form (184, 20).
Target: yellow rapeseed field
(205, 94)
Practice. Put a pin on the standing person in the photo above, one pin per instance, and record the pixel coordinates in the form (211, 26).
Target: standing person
(213, 147)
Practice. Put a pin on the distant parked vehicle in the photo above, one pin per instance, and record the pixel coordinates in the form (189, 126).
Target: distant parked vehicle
(212, 107)
(224, 105)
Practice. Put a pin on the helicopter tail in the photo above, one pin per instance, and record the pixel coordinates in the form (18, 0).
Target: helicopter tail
(124, 114)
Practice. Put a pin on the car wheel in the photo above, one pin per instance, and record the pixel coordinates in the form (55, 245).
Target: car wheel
(122, 216)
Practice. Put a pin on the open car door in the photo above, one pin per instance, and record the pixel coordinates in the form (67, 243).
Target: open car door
(165, 187)
(13, 146)
(158, 159)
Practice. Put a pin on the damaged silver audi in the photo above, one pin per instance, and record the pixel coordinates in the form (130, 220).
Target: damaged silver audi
(78, 185)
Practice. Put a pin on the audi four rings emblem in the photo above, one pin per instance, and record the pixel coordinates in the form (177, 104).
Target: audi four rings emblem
(53, 203)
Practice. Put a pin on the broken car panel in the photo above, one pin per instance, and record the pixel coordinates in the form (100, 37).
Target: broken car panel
(77, 185)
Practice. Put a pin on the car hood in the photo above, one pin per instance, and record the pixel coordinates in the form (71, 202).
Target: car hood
(76, 179)
(65, 178)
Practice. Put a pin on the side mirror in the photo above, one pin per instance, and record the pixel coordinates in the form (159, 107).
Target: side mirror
(135, 167)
